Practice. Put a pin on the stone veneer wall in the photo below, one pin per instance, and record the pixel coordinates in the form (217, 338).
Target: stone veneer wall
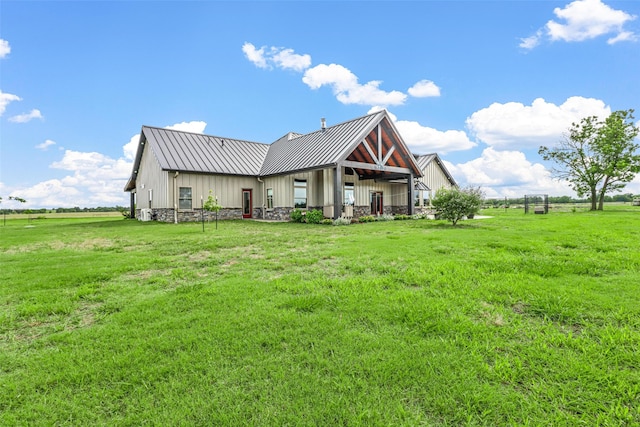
(167, 215)
(359, 211)
(399, 210)
(275, 214)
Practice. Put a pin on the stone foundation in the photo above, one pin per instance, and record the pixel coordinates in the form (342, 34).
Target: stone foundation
(359, 211)
(275, 214)
(399, 210)
(195, 215)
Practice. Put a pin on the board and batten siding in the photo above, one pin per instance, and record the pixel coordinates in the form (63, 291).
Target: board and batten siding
(151, 178)
(227, 188)
(283, 189)
(434, 178)
(320, 189)
(393, 194)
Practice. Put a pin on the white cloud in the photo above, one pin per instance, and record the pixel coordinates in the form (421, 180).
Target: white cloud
(623, 36)
(193, 126)
(130, 148)
(423, 139)
(24, 118)
(515, 125)
(507, 174)
(5, 48)
(94, 179)
(286, 59)
(276, 57)
(343, 82)
(531, 41)
(424, 89)
(346, 88)
(584, 20)
(633, 187)
(256, 56)
(5, 99)
(45, 145)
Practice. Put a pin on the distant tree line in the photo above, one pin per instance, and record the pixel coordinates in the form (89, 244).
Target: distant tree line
(628, 197)
(65, 210)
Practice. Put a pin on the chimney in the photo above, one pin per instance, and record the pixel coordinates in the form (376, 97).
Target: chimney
(323, 124)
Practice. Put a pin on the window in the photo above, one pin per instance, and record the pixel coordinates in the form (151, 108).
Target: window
(300, 193)
(349, 194)
(184, 202)
(269, 198)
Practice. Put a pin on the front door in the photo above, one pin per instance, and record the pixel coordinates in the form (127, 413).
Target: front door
(247, 204)
(376, 203)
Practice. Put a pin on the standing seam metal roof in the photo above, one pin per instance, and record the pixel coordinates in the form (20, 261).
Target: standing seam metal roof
(193, 152)
(316, 149)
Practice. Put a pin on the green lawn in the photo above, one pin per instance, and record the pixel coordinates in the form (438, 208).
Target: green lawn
(511, 320)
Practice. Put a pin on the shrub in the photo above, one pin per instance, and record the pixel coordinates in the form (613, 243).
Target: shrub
(454, 204)
(384, 217)
(297, 216)
(367, 218)
(327, 221)
(401, 217)
(314, 216)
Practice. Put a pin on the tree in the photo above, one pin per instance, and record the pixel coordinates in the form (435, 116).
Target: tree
(17, 199)
(211, 205)
(597, 157)
(454, 204)
(616, 145)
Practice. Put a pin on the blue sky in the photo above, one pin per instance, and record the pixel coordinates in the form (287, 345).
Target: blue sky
(483, 84)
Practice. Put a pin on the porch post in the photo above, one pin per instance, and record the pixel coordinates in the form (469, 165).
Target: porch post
(337, 191)
(132, 205)
(410, 194)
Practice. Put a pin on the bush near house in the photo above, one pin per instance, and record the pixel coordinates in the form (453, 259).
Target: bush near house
(454, 204)
(314, 216)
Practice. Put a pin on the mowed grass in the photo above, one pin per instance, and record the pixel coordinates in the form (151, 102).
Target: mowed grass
(511, 320)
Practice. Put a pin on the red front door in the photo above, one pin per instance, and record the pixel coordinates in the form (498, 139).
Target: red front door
(247, 203)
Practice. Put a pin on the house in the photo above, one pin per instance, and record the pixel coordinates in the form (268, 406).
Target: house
(359, 167)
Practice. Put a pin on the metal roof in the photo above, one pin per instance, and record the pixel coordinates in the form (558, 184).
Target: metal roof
(192, 152)
(424, 160)
(317, 149)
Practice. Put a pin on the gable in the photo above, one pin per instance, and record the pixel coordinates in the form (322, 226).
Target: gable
(430, 162)
(384, 150)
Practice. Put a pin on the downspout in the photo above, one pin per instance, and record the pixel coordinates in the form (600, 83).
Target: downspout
(264, 195)
(175, 197)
